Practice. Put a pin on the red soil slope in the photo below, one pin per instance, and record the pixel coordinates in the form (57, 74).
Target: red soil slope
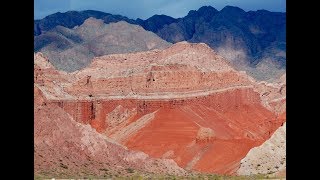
(238, 122)
(174, 131)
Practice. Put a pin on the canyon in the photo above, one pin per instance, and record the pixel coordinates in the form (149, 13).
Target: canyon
(183, 106)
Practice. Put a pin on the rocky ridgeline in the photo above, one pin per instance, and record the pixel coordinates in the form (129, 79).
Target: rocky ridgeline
(183, 67)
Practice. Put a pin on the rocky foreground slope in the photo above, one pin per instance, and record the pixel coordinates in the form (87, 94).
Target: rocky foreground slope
(269, 158)
(73, 49)
(184, 103)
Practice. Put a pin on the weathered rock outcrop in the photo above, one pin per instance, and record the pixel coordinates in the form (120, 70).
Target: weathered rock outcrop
(269, 158)
(205, 135)
(273, 95)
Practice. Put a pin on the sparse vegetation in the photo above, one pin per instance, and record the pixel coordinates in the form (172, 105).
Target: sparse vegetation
(103, 169)
(140, 176)
(130, 170)
(63, 166)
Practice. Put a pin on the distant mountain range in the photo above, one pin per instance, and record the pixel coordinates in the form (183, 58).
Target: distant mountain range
(254, 41)
(73, 49)
(71, 19)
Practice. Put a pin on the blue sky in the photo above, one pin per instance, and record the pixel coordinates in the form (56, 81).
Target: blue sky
(146, 8)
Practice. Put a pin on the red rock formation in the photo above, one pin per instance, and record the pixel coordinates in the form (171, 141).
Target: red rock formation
(184, 103)
(237, 129)
(239, 121)
(65, 148)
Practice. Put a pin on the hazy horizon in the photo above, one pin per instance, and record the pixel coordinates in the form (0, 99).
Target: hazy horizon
(144, 9)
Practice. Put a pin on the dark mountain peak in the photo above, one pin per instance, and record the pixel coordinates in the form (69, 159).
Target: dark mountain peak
(71, 12)
(59, 14)
(66, 14)
(231, 14)
(205, 12)
(71, 19)
(139, 21)
(156, 22)
(94, 12)
(207, 9)
(88, 13)
(232, 10)
(162, 16)
(193, 13)
(161, 19)
(263, 11)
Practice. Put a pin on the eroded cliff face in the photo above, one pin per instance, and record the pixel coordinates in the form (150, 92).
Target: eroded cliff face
(273, 95)
(183, 103)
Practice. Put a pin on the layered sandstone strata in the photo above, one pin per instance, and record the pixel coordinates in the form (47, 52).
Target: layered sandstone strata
(182, 68)
(183, 103)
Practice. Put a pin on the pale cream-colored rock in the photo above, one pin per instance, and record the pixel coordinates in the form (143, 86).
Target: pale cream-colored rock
(273, 95)
(132, 128)
(269, 158)
(119, 116)
(205, 134)
(41, 61)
